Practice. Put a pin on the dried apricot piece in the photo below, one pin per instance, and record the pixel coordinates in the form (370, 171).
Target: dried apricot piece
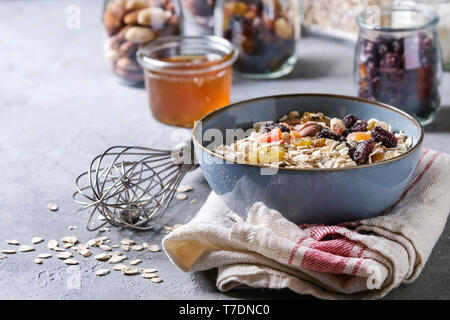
(359, 136)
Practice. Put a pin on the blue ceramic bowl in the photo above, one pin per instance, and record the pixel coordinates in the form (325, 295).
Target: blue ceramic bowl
(307, 195)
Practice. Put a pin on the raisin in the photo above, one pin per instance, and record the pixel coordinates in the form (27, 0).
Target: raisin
(326, 133)
(350, 120)
(267, 127)
(359, 125)
(351, 150)
(386, 138)
(362, 151)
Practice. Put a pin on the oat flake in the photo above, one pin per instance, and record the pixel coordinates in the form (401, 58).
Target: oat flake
(70, 262)
(102, 272)
(135, 262)
(153, 248)
(37, 261)
(52, 244)
(26, 248)
(52, 207)
(13, 242)
(37, 240)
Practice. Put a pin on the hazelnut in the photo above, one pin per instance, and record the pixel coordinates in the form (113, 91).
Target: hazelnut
(283, 29)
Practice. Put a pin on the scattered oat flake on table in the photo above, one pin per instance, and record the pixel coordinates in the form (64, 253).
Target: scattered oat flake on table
(70, 262)
(120, 267)
(3, 257)
(127, 241)
(52, 244)
(137, 248)
(148, 270)
(193, 201)
(7, 251)
(116, 259)
(84, 252)
(149, 275)
(37, 240)
(153, 248)
(26, 248)
(13, 242)
(68, 245)
(125, 247)
(184, 188)
(64, 255)
(59, 249)
(104, 229)
(168, 228)
(44, 255)
(181, 196)
(102, 257)
(115, 246)
(38, 261)
(102, 272)
(156, 280)
(135, 262)
(104, 247)
(131, 271)
(70, 239)
(52, 207)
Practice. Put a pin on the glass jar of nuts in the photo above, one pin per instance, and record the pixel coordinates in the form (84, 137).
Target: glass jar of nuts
(131, 24)
(265, 32)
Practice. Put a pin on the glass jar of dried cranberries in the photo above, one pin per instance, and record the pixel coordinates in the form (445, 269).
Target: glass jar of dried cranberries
(398, 60)
(264, 31)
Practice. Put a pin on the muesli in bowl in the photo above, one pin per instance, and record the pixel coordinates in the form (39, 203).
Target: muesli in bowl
(314, 140)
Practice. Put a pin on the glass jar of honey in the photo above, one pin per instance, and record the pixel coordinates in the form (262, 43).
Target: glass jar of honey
(187, 77)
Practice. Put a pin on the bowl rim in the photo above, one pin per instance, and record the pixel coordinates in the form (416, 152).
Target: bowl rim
(317, 95)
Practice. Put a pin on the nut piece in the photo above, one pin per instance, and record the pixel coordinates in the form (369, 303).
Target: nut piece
(309, 129)
(131, 17)
(26, 248)
(136, 4)
(102, 272)
(283, 28)
(139, 35)
(153, 16)
(112, 22)
(37, 240)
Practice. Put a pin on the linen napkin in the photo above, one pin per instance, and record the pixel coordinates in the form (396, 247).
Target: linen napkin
(356, 260)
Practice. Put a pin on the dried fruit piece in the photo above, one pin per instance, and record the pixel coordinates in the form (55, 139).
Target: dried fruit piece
(386, 138)
(359, 125)
(328, 134)
(362, 152)
(269, 126)
(270, 154)
(350, 120)
(309, 129)
(359, 136)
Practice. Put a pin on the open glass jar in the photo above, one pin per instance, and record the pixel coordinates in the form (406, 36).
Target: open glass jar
(187, 77)
(131, 24)
(397, 59)
(265, 32)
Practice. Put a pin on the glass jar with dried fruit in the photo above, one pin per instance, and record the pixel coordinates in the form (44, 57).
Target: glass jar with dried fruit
(265, 32)
(397, 59)
(131, 24)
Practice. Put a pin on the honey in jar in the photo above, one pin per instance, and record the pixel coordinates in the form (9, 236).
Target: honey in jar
(187, 77)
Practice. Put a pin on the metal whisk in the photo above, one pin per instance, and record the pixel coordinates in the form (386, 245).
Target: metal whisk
(133, 186)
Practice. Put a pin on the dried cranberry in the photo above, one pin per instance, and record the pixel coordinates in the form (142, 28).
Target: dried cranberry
(386, 138)
(326, 133)
(362, 152)
(349, 120)
(360, 125)
(267, 127)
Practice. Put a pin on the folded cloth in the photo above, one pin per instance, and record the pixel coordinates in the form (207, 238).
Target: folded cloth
(356, 260)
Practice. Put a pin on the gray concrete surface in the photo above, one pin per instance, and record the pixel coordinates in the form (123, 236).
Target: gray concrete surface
(59, 107)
